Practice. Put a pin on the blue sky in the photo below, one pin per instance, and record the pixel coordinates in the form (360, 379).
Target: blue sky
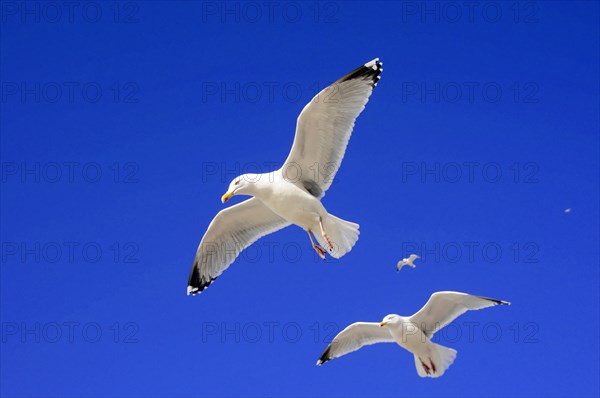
(123, 123)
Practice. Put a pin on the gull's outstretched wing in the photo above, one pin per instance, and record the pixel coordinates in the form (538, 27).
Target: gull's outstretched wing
(352, 338)
(412, 258)
(444, 307)
(231, 231)
(324, 128)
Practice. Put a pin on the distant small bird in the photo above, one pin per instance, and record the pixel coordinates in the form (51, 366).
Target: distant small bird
(412, 333)
(407, 261)
(568, 210)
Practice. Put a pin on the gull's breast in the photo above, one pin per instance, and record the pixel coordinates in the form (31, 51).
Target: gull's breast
(294, 204)
(409, 336)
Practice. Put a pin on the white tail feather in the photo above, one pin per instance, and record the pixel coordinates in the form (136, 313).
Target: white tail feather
(343, 235)
(440, 358)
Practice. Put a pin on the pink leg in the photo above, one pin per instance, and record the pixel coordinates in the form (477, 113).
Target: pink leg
(320, 251)
(325, 235)
(427, 368)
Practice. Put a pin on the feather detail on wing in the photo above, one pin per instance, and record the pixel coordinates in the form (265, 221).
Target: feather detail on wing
(444, 307)
(324, 128)
(352, 338)
(231, 231)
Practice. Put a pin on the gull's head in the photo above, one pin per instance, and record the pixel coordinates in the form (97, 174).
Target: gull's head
(241, 185)
(390, 320)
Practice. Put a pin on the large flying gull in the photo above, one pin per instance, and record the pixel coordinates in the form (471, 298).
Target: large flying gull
(291, 195)
(413, 333)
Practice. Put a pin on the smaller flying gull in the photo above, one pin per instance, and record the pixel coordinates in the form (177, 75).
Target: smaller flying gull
(408, 261)
(568, 210)
(413, 333)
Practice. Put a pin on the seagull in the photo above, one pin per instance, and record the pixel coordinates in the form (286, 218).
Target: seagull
(568, 210)
(292, 194)
(407, 261)
(413, 333)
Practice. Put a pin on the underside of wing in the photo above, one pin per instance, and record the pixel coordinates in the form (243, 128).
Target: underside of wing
(412, 257)
(444, 307)
(354, 337)
(324, 128)
(230, 232)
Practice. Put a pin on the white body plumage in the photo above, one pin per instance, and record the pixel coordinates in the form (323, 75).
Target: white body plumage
(412, 333)
(323, 130)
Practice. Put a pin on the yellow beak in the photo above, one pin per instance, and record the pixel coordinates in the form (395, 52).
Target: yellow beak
(226, 197)
(382, 324)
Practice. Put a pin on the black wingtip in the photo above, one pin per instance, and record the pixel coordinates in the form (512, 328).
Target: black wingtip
(324, 356)
(369, 71)
(193, 290)
(196, 283)
(498, 302)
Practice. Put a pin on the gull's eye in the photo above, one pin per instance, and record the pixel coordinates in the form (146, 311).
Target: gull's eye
(237, 182)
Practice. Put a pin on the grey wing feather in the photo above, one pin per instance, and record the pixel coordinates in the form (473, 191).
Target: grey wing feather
(444, 307)
(324, 128)
(352, 338)
(231, 231)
